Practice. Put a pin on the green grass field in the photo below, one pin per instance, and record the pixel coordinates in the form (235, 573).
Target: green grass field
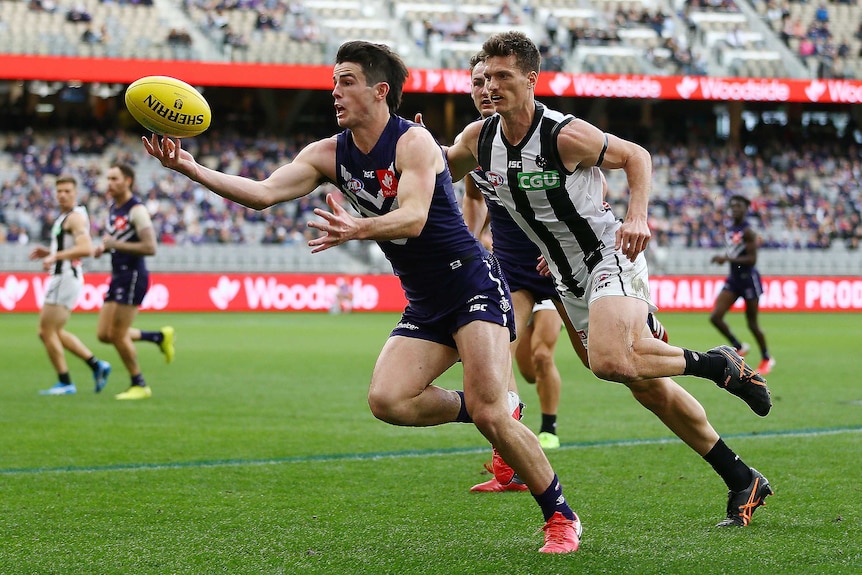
(258, 455)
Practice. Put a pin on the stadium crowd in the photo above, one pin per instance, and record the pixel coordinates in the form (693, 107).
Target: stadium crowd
(803, 197)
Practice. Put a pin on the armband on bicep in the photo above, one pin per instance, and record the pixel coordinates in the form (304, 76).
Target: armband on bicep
(602, 154)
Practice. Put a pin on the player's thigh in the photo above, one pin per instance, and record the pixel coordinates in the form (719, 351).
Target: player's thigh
(407, 365)
(615, 323)
(724, 300)
(486, 357)
(522, 304)
(53, 317)
(547, 325)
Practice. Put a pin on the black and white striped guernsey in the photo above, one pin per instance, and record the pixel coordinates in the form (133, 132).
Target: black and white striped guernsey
(563, 212)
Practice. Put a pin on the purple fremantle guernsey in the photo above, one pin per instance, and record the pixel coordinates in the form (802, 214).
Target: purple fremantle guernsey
(121, 229)
(735, 244)
(370, 183)
(742, 280)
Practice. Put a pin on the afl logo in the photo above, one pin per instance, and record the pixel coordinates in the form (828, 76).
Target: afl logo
(354, 185)
(494, 179)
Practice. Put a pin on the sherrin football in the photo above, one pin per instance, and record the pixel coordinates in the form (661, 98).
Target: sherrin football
(168, 107)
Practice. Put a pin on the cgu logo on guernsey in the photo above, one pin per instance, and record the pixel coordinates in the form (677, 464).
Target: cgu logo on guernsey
(538, 181)
(265, 293)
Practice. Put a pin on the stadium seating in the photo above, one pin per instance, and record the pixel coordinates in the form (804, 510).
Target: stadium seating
(592, 36)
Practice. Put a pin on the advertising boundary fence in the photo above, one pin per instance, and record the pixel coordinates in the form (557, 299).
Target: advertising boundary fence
(214, 292)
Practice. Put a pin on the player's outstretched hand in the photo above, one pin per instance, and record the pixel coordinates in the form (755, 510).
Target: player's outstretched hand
(338, 226)
(170, 153)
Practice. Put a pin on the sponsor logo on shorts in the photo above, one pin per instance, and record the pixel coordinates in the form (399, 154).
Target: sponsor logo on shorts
(410, 326)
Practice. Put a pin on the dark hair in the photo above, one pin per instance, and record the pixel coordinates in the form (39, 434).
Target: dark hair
(66, 179)
(527, 56)
(379, 64)
(476, 59)
(126, 170)
(740, 198)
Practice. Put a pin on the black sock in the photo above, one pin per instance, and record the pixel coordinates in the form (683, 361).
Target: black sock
(463, 416)
(708, 365)
(549, 424)
(735, 343)
(552, 500)
(139, 380)
(93, 362)
(64, 378)
(154, 336)
(735, 473)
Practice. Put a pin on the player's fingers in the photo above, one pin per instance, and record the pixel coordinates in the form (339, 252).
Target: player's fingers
(326, 215)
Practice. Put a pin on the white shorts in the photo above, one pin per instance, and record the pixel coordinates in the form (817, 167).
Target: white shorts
(614, 276)
(543, 305)
(64, 289)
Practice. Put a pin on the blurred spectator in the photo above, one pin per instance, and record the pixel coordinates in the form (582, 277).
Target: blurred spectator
(179, 37)
(90, 36)
(78, 13)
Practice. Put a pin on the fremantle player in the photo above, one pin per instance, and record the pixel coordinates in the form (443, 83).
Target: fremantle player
(394, 174)
(743, 281)
(129, 238)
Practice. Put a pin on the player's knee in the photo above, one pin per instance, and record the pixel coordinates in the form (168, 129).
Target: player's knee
(384, 408)
(105, 336)
(543, 359)
(612, 369)
(487, 420)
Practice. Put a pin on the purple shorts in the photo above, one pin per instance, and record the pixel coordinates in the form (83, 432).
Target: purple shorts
(474, 291)
(745, 284)
(128, 287)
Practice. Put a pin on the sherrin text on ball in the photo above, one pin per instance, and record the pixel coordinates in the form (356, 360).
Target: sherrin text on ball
(168, 106)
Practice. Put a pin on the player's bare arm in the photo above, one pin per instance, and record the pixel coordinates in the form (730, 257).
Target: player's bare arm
(419, 160)
(749, 258)
(581, 145)
(474, 208)
(311, 166)
(76, 224)
(462, 155)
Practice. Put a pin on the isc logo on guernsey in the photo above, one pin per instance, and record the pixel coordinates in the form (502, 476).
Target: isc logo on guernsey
(159, 108)
(536, 181)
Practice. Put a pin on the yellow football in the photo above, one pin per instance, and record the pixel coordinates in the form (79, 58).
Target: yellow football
(168, 107)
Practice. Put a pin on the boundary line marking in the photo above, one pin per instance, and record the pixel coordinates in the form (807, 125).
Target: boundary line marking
(403, 454)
